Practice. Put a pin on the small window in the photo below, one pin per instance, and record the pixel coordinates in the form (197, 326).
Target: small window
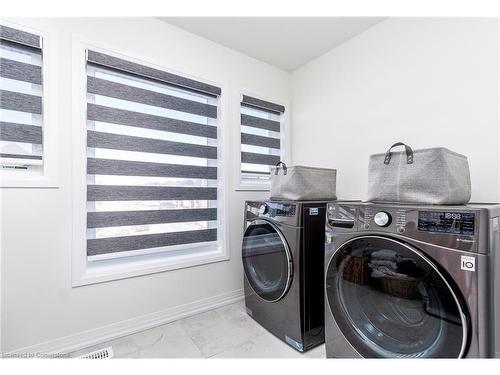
(261, 140)
(152, 162)
(21, 101)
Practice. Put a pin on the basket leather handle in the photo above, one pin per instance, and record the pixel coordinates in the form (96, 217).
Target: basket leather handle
(283, 165)
(409, 153)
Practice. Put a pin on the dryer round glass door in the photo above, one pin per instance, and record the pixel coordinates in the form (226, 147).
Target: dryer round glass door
(391, 301)
(267, 260)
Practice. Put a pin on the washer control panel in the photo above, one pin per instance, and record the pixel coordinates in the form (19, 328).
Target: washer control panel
(457, 227)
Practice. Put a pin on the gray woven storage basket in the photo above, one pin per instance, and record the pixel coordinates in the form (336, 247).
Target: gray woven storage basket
(429, 176)
(303, 183)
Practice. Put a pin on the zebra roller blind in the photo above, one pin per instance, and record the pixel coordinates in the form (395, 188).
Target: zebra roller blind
(261, 135)
(21, 114)
(152, 177)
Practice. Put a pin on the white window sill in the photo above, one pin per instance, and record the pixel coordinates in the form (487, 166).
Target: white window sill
(120, 268)
(242, 186)
(26, 179)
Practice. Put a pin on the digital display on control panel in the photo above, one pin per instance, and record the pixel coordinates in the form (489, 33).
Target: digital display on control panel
(446, 222)
(278, 209)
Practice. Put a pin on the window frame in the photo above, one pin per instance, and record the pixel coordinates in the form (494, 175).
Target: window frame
(49, 175)
(85, 272)
(284, 142)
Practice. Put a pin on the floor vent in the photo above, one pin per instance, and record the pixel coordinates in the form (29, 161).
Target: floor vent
(99, 354)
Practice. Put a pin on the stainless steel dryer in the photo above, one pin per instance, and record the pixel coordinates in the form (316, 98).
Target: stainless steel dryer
(408, 281)
(283, 262)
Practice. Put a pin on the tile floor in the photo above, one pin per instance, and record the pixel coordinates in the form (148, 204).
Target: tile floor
(226, 332)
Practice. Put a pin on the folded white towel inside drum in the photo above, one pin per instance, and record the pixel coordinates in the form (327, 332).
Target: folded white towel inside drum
(384, 263)
(383, 271)
(385, 254)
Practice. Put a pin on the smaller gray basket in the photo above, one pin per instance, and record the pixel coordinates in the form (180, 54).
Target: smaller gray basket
(303, 183)
(429, 176)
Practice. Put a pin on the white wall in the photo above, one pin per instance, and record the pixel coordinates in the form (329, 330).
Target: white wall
(38, 302)
(428, 82)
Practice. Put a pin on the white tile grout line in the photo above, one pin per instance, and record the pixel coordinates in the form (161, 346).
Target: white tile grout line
(233, 346)
(191, 339)
(243, 343)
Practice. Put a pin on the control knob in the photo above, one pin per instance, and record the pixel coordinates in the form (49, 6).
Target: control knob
(382, 219)
(263, 209)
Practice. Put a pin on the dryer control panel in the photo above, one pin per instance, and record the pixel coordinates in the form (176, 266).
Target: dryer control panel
(286, 213)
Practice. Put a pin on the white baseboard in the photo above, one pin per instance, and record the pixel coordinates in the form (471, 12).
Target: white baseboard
(99, 335)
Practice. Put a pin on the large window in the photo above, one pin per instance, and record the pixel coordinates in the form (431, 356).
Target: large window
(152, 184)
(261, 140)
(21, 109)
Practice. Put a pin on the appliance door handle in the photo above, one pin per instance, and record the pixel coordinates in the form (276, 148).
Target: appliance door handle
(341, 223)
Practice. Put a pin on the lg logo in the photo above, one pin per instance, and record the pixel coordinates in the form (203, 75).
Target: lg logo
(468, 263)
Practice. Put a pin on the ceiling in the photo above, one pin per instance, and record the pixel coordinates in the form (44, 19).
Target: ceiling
(285, 42)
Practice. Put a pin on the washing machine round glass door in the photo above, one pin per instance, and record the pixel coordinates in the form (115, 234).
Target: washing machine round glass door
(267, 261)
(391, 301)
